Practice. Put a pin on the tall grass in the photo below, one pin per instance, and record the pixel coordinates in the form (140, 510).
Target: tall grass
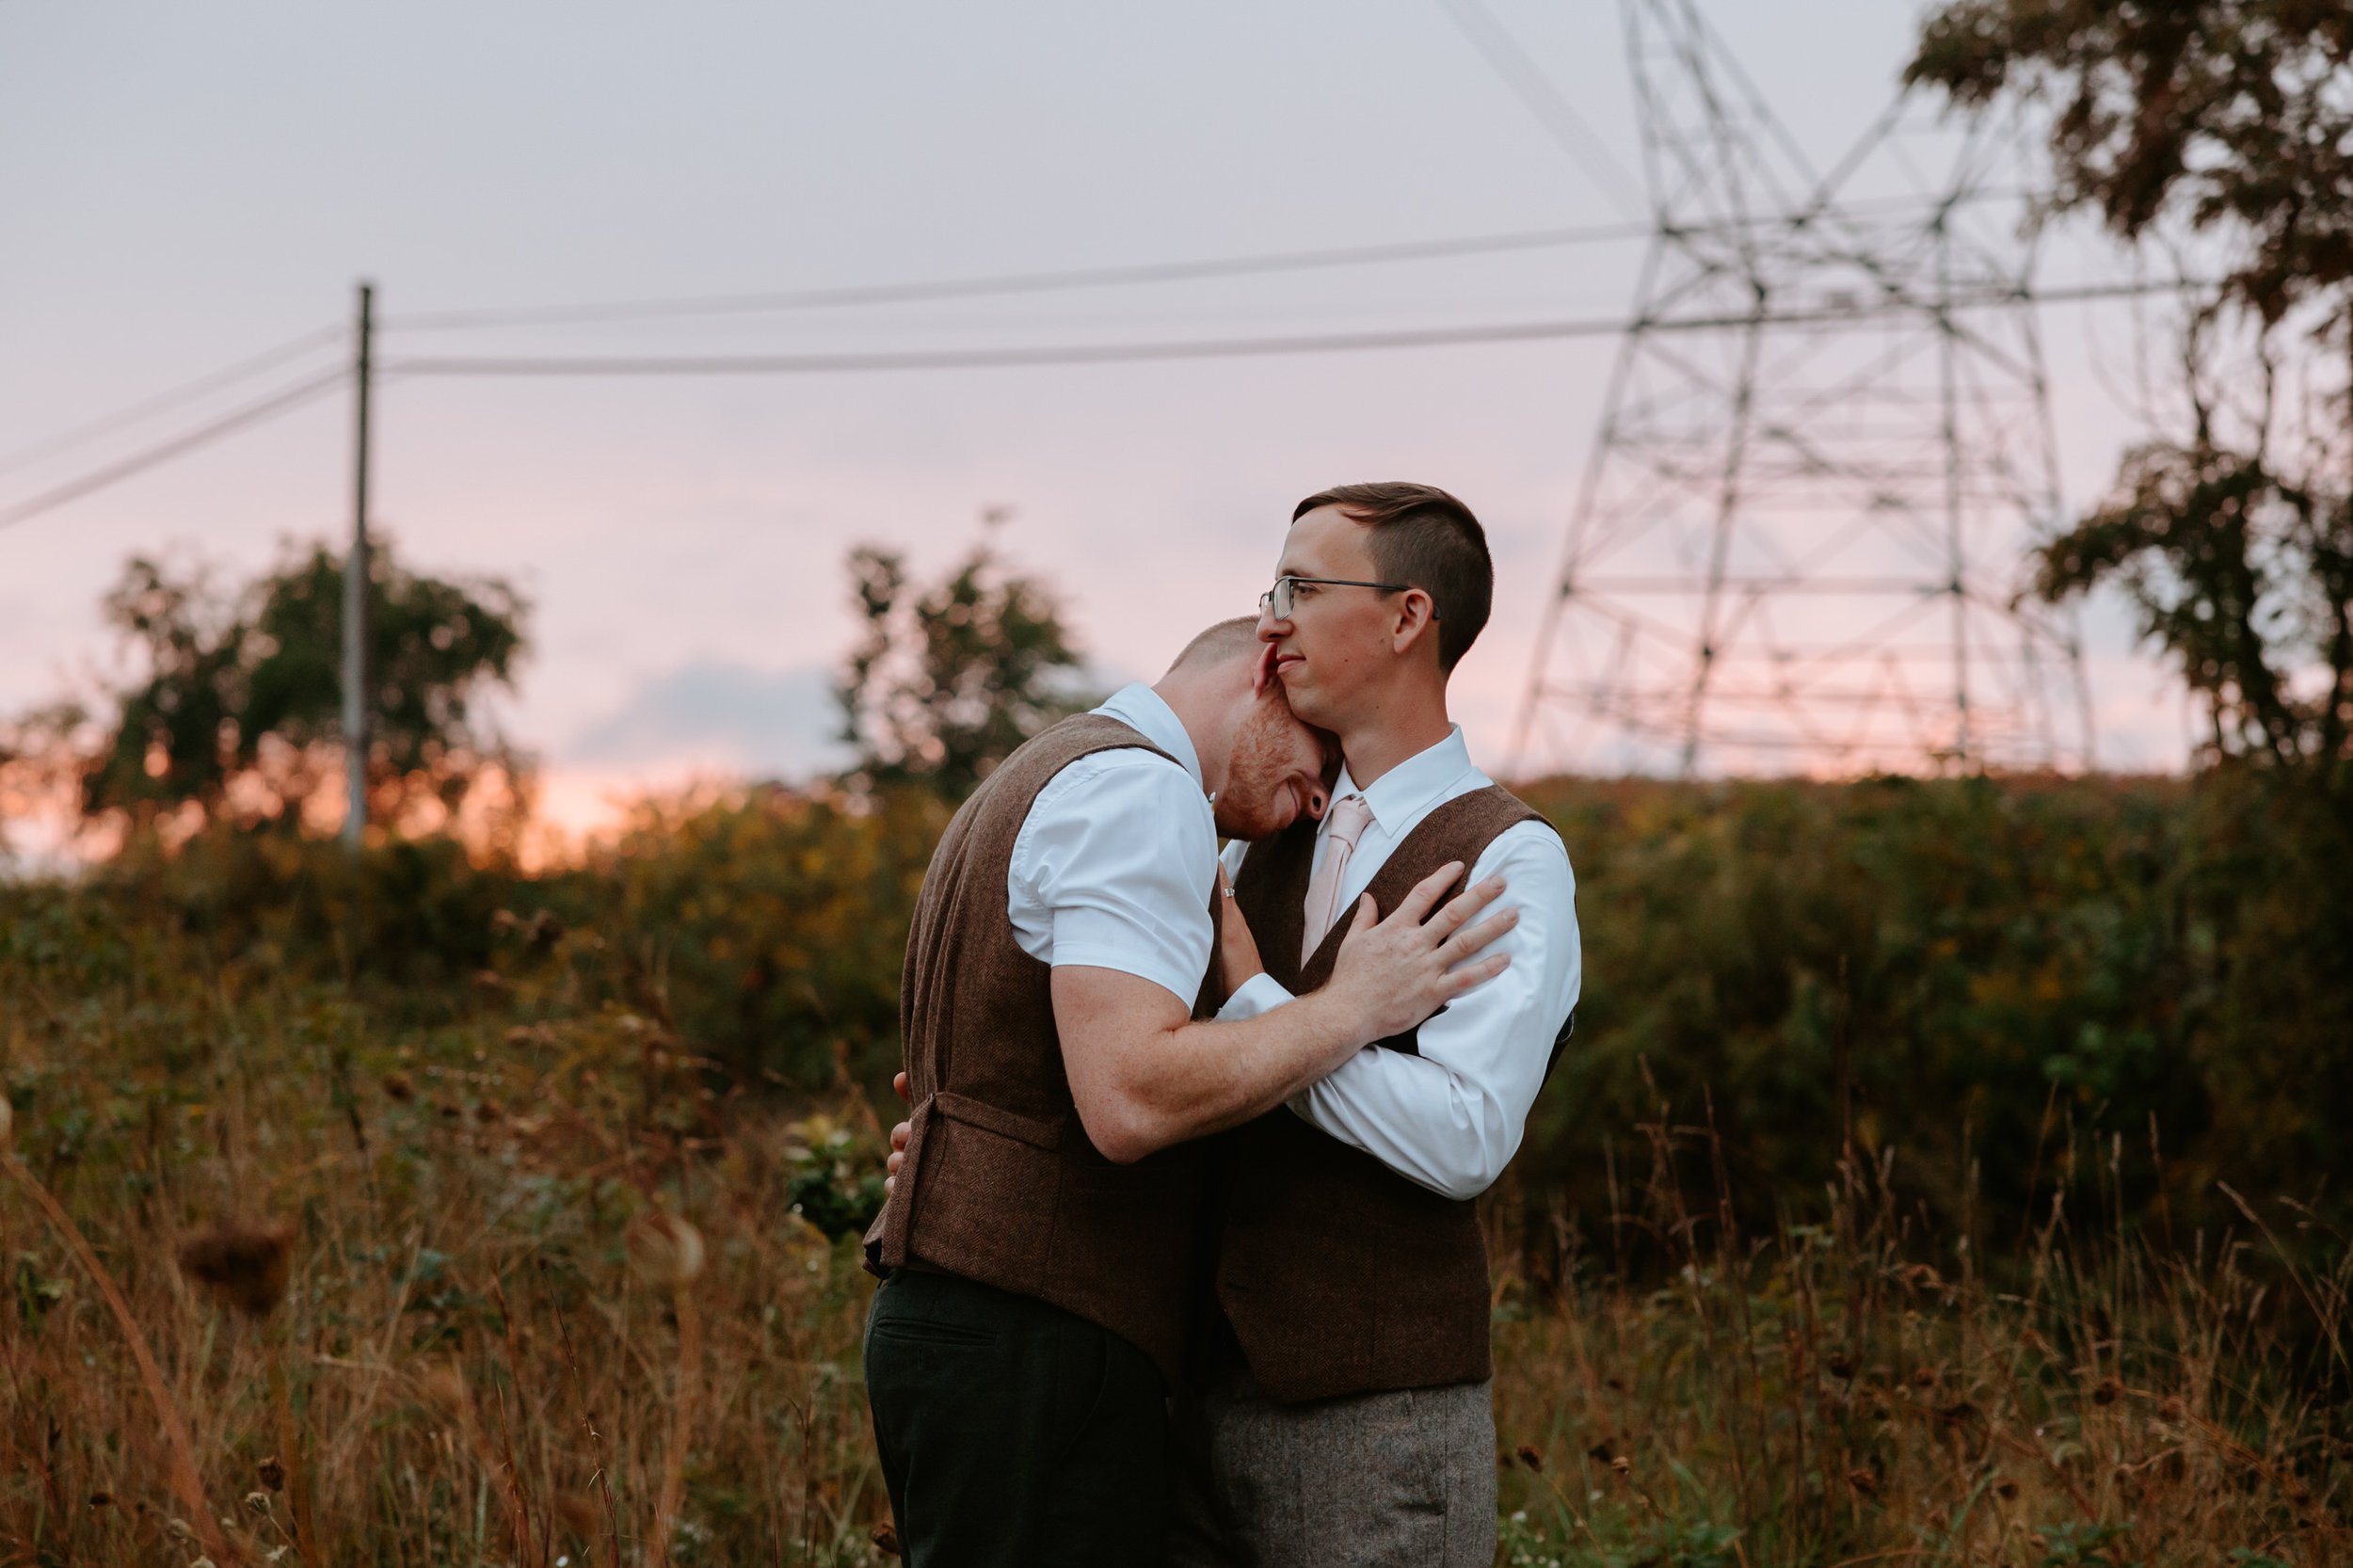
(492, 1345)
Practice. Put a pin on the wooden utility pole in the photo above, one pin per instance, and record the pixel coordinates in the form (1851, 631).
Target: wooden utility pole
(356, 588)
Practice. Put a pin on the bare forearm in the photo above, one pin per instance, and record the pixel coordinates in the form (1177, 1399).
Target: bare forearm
(1204, 1078)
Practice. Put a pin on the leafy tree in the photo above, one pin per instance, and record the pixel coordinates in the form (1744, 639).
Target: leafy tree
(235, 713)
(2246, 576)
(2233, 115)
(945, 681)
(2234, 119)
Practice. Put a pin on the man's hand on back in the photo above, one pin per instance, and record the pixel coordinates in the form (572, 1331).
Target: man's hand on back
(898, 1136)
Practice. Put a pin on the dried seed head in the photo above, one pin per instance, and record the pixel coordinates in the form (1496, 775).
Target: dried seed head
(664, 1248)
(101, 1499)
(580, 1514)
(1532, 1458)
(243, 1264)
(886, 1539)
(1923, 1377)
(257, 1501)
(273, 1474)
(396, 1086)
(2107, 1392)
(1839, 1367)
(445, 1386)
(1623, 1465)
(1863, 1482)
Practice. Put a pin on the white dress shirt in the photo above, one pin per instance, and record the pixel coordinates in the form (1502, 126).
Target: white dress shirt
(1452, 1117)
(1114, 864)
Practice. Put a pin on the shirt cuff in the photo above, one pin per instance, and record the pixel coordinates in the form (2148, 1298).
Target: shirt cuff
(1260, 994)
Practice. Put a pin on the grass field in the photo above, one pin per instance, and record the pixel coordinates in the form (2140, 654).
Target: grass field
(290, 1280)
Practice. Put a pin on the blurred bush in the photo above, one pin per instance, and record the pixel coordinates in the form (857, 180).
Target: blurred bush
(1987, 976)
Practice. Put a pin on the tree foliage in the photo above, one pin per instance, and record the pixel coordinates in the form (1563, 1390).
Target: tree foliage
(232, 714)
(2246, 578)
(2235, 116)
(946, 679)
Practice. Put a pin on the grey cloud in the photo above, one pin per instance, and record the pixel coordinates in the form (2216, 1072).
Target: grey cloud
(723, 713)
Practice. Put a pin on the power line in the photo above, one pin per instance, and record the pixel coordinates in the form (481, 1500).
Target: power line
(278, 402)
(1017, 283)
(289, 397)
(164, 401)
(1218, 348)
(1551, 107)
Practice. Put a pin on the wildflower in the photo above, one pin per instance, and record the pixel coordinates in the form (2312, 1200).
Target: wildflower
(245, 1264)
(664, 1248)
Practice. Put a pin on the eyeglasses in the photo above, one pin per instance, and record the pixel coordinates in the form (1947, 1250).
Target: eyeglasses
(1281, 599)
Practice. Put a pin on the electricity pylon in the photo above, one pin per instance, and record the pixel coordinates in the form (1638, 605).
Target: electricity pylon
(1825, 450)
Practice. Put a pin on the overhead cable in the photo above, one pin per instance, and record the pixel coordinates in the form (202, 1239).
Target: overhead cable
(834, 364)
(278, 402)
(1017, 282)
(1543, 100)
(166, 401)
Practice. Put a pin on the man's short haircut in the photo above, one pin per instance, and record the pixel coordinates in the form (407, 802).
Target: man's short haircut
(1227, 639)
(1424, 538)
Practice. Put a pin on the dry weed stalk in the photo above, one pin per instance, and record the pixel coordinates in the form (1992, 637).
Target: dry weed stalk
(670, 1253)
(184, 1479)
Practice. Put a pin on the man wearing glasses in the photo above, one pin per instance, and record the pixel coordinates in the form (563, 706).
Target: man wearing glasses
(1341, 1411)
(1041, 1243)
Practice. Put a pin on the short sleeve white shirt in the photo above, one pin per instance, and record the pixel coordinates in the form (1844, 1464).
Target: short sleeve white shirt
(1115, 865)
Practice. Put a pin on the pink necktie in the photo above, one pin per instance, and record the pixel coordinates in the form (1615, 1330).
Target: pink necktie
(1346, 824)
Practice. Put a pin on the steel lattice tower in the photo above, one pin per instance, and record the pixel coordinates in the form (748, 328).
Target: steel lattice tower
(1825, 448)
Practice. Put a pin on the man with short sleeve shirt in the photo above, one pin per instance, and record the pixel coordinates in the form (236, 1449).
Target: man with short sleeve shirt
(1056, 1012)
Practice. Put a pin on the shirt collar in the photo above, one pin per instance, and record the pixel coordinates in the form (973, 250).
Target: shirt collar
(1143, 710)
(1407, 790)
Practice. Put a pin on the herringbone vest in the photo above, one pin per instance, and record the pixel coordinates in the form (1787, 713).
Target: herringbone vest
(1001, 1183)
(1336, 1274)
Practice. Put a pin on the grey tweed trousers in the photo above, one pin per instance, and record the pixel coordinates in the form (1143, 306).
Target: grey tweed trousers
(1398, 1480)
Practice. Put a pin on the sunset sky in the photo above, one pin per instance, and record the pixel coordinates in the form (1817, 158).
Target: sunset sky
(185, 187)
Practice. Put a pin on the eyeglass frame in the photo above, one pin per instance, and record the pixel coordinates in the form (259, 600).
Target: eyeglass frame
(1266, 600)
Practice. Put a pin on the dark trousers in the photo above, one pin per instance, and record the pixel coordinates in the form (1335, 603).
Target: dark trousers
(1012, 1433)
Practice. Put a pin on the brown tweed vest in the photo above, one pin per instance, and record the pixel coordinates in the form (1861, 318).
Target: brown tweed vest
(1336, 1274)
(1001, 1183)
